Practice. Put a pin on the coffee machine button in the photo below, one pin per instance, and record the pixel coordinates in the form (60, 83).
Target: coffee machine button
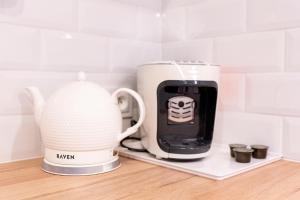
(180, 104)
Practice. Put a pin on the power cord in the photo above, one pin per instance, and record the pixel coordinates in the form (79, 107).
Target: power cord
(132, 123)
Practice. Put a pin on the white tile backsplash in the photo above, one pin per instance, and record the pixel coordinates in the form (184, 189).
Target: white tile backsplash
(149, 25)
(62, 51)
(292, 50)
(21, 138)
(232, 92)
(246, 128)
(58, 14)
(255, 52)
(201, 49)
(123, 51)
(152, 4)
(273, 14)
(19, 47)
(108, 17)
(273, 93)
(291, 138)
(173, 24)
(168, 4)
(216, 17)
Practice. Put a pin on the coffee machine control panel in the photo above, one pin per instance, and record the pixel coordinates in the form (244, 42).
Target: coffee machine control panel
(181, 110)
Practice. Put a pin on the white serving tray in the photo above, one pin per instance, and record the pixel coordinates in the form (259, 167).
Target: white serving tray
(218, 166)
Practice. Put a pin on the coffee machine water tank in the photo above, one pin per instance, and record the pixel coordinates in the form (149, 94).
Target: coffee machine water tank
(180, 100)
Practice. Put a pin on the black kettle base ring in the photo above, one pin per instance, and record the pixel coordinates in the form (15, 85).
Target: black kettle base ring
(69, 170)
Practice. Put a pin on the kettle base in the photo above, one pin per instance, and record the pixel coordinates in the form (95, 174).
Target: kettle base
(77, 170)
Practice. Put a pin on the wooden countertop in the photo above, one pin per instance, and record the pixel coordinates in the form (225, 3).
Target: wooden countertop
(139, 180)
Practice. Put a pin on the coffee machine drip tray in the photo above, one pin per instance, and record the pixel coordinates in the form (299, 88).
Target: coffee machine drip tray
(189, 145)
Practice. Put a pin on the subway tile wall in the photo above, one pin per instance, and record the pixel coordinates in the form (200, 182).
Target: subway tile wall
(257, 44)
(46, 42)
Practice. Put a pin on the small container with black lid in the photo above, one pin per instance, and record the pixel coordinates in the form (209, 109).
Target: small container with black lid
(243, 155)
(232, 146)
(259, 151)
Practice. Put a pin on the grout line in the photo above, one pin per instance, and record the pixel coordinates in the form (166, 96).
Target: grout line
(285, 53)
(76, 14)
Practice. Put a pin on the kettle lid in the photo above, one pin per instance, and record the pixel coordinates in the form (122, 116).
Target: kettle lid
(80, 91)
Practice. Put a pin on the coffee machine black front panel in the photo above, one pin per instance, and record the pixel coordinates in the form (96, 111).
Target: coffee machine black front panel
(186, 115)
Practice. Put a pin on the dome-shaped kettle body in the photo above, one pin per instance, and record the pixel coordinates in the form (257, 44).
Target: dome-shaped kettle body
(79, 117)
(81, 123)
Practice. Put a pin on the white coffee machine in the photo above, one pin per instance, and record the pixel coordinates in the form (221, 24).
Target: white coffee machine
(180, 100)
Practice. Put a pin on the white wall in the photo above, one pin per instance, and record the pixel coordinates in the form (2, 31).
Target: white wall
(257, 42)
(45, 42)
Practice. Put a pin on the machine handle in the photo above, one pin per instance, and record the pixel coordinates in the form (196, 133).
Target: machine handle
(137, 97)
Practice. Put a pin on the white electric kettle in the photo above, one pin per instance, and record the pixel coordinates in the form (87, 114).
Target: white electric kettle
(81, 124)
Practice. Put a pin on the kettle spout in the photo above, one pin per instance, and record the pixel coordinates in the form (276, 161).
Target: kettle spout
(38, 102)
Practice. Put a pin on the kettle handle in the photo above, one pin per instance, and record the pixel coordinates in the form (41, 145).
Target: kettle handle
(137, 97)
